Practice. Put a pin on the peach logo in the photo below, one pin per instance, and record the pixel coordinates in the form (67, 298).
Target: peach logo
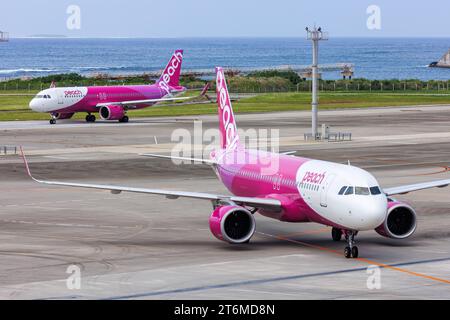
(72, 93)
(231, 138)
(313, 177)
(172, 67)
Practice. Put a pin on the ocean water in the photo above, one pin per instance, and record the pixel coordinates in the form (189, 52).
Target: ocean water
(374, 58)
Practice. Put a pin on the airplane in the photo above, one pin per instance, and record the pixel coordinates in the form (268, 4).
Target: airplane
(111, 102)
(344, 197)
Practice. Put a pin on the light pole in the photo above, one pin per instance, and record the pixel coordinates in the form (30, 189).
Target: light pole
(315, 35)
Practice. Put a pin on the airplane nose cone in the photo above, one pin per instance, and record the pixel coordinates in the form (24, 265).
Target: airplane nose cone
(375, 212)
(33, 105)
(368, 213)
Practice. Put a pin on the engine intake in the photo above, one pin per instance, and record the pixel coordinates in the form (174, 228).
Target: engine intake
(400, 223)
(233, 224)
(111, 112)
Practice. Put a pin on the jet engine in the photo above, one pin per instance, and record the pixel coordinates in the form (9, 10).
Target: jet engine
(233, 224)
(112, 112)
(400, 222)
(62, 116)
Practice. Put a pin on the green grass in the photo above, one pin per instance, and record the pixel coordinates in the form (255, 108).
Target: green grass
(16, 107)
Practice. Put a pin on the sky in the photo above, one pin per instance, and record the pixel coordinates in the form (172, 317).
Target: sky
(227, 18)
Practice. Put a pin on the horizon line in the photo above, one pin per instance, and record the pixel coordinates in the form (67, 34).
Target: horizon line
(225, 37)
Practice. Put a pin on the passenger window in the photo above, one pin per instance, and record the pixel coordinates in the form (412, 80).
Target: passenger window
(349, 191)
(341, 192)
(362, 191)
(375, 191)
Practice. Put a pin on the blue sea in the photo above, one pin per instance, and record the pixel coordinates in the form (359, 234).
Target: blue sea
(374, 58)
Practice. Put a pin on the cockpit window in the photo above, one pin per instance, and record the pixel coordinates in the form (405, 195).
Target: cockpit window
(43, 96)
(341, 192)
(375, 191)
(349, 191)
(363, 191)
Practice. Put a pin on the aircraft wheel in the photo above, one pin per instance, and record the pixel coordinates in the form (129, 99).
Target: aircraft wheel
(124, 119)
(52, 121)
(336, 234)
(90, 118)
(347, 252)
(355, 252)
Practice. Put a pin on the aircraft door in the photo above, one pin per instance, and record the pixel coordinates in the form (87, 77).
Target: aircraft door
(324, 189)
(60, 97)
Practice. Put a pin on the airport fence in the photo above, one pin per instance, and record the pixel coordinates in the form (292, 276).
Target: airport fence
(261, 87)
(5, 150)
(349, 86)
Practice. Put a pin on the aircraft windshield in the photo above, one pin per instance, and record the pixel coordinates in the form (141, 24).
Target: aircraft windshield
(363, 191)
(349, 191)
(375, 191)
(42, 96)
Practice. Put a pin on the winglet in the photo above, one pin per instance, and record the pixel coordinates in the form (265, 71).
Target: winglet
(25, 162)
(205, 89)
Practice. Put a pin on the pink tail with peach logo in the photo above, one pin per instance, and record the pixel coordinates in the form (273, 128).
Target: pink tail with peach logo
(171, 74)
(227, 125)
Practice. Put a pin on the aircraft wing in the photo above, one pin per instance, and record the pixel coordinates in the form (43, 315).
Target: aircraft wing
(261, 203)
(204, 161)
(415, 187)
(137, 102)
(153, 101)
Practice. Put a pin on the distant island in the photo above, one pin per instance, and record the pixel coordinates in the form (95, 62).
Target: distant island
(47, 36)
(443, 63)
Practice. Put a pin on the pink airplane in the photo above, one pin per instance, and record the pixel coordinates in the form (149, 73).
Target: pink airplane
(288, 188)
(111, 102)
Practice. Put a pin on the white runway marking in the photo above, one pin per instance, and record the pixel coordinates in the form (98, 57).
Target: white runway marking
(71, 225)
(58, 158)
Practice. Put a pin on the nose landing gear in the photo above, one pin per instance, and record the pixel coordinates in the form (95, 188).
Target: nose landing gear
(350, 251)
(53, 119)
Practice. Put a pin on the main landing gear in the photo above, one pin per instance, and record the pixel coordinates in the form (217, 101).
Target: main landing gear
(350, 251)
(124, 119)
(90, 118)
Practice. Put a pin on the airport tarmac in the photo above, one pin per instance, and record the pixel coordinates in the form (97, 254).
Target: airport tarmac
(135, 246)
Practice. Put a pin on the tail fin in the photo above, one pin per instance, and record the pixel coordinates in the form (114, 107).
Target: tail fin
(171, 74)
(227, 125)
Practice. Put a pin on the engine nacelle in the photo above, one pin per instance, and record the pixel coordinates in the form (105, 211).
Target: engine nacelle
(62, 116)
(111, 112)
(400, 223)
(232, 224)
